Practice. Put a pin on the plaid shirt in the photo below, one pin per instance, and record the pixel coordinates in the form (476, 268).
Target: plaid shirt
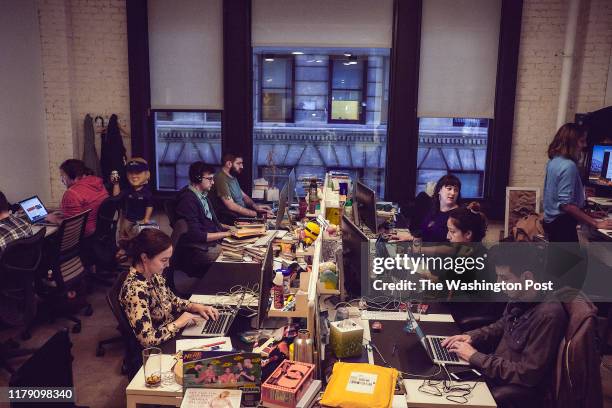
(11, 229)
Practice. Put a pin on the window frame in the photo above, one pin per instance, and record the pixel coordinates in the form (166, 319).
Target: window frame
(261, 60)
(152, 136)
(363, 90)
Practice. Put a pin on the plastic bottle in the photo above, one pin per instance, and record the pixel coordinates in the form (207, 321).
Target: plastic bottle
(277, 291)
(286, 281)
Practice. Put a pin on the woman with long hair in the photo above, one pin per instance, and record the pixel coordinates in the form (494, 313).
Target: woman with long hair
(155, 313)
(564, 196)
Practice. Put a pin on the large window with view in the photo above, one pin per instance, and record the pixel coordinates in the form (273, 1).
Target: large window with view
(320, 109)
(181, 138)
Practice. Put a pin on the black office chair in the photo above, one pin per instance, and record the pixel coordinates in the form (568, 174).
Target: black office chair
(50, 366)
(19, 263)
(123, 325)
(63, 272)
(170, 209)
(103, 244)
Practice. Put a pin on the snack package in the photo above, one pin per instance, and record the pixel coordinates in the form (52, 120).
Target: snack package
(360, 385)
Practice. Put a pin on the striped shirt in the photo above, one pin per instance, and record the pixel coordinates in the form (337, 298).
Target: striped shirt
(11, 229)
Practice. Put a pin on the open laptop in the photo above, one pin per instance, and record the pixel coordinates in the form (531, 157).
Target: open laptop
(216, 328)
(35, 210)
(433, 346)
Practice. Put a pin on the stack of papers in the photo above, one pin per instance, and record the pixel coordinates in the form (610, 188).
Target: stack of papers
(207, 343)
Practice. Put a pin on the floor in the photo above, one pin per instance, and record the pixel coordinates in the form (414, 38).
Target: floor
(98, 382)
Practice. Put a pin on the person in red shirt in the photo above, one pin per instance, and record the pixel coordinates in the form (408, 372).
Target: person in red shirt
(84, 192)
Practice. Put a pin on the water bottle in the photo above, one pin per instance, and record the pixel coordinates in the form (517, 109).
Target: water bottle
(303, 347)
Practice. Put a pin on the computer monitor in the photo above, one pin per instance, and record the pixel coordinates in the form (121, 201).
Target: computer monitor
(265, 285)
(34, 209)
(285, 198)
(600, 168)
(365, 202)
(354, 258)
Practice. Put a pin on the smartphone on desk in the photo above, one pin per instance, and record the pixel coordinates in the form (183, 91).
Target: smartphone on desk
(466, 375)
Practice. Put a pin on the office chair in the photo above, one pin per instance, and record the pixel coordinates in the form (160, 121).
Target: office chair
(103, 245)
(170, 209)
(19, 263)
(49, 366)
(123, 325)
(64, 270)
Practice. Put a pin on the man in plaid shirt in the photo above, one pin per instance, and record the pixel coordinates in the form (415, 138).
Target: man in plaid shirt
(11, 227)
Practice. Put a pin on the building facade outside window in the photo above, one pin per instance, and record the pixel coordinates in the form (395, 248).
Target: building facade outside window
(339, 102)
(181, 138)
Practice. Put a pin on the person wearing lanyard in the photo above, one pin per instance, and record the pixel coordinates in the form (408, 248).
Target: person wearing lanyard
(564, 197)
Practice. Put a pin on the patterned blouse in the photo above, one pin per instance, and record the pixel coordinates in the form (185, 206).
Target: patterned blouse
(151, 307)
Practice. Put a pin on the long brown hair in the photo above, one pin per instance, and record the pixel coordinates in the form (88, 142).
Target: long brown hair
(565, 142)
(149, 241)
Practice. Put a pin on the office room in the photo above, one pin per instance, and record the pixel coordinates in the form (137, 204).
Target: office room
(286, 203)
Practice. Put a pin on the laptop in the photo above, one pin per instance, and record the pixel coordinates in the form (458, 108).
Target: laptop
(433, 346)
(35, 210)
(216, 328)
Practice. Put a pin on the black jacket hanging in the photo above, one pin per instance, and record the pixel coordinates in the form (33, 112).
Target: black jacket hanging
(112, 155)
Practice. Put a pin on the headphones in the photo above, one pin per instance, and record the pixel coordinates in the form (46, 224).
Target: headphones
(195, 172)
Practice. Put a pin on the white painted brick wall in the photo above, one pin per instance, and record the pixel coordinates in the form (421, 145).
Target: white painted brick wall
(540, 61)
(85, 70)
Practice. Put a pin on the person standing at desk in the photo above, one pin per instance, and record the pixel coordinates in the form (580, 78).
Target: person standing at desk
(155, 313)
(564, 196)
(526, 338)
(11, 227)
(231, 201)
(198, 246)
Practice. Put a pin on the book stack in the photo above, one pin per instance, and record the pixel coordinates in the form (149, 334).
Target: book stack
(256, 253)
(233, 249)
(259, 188)
(245, 229)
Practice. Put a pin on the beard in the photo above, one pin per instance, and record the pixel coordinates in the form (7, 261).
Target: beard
(235, 172)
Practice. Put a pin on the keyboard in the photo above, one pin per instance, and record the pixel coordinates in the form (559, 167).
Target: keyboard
(217, 327)
(440, 352)
(383, 315)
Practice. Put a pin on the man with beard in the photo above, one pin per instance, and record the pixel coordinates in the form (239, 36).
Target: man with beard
(230, 200)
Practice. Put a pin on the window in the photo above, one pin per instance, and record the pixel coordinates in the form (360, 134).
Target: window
(348, 80)
(453, 146)
(338, 119)
(181, 138)
(276, 88)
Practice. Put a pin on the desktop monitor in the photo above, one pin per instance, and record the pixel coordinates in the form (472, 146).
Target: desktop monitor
(365, 203)
(34, 209)
(265, 285)
(354, 257)
(600, 168)
(285, 198)
(291, 180)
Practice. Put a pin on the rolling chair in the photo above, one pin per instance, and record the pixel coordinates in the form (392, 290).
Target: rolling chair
(103, 245)
(123, 325)
(19, 263)
(169, 208)
(49, 366)
(64, 270)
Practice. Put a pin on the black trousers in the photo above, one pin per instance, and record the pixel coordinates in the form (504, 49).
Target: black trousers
(562, 229)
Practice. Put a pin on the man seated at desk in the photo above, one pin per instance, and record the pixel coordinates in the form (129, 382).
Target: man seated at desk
(526, 338)
(11, 228)
(198, 246)
(229, 198)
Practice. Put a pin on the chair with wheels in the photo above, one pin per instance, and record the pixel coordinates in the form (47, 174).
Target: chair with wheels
(62, 277)
(102, 245)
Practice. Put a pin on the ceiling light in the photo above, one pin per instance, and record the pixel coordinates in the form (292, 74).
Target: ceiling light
(347, 54)
(297, 53)
(269, 80)
(269, 59)
(319, 61)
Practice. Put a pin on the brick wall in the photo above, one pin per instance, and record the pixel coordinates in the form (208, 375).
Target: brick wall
(539, 76)
(85, 70)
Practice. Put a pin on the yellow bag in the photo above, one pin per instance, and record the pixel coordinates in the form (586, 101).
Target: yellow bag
(360, 385)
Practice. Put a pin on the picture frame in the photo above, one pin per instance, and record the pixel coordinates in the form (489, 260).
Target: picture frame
(520, 201)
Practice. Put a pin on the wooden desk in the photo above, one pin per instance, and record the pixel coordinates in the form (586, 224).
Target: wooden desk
(480, 397)
(138, 393)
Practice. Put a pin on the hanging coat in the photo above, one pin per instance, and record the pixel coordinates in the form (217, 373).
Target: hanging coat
(112, 155)
(90, 156)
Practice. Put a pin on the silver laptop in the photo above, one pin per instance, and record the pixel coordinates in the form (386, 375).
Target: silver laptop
(215, 328)
(35, 210)
(433, 346)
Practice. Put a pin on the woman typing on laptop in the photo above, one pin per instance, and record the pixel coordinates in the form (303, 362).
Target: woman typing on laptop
(155, 313)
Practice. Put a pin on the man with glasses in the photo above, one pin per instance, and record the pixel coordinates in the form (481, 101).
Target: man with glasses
(198, 246)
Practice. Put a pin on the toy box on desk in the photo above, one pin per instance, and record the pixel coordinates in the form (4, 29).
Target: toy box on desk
(287, 384)
(224, 369)
(346, 338)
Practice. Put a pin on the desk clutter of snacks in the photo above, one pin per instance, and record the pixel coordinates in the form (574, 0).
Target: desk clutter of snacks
(326, 351)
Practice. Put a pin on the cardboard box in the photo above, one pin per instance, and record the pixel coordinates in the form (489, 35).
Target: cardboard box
(287, 384)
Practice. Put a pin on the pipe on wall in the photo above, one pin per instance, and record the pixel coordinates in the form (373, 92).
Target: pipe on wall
(568, 60)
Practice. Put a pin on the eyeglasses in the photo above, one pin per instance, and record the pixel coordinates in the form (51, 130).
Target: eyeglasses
(209, 178)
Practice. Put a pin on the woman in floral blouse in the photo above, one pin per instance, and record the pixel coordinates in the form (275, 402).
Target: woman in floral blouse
(149, 304)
